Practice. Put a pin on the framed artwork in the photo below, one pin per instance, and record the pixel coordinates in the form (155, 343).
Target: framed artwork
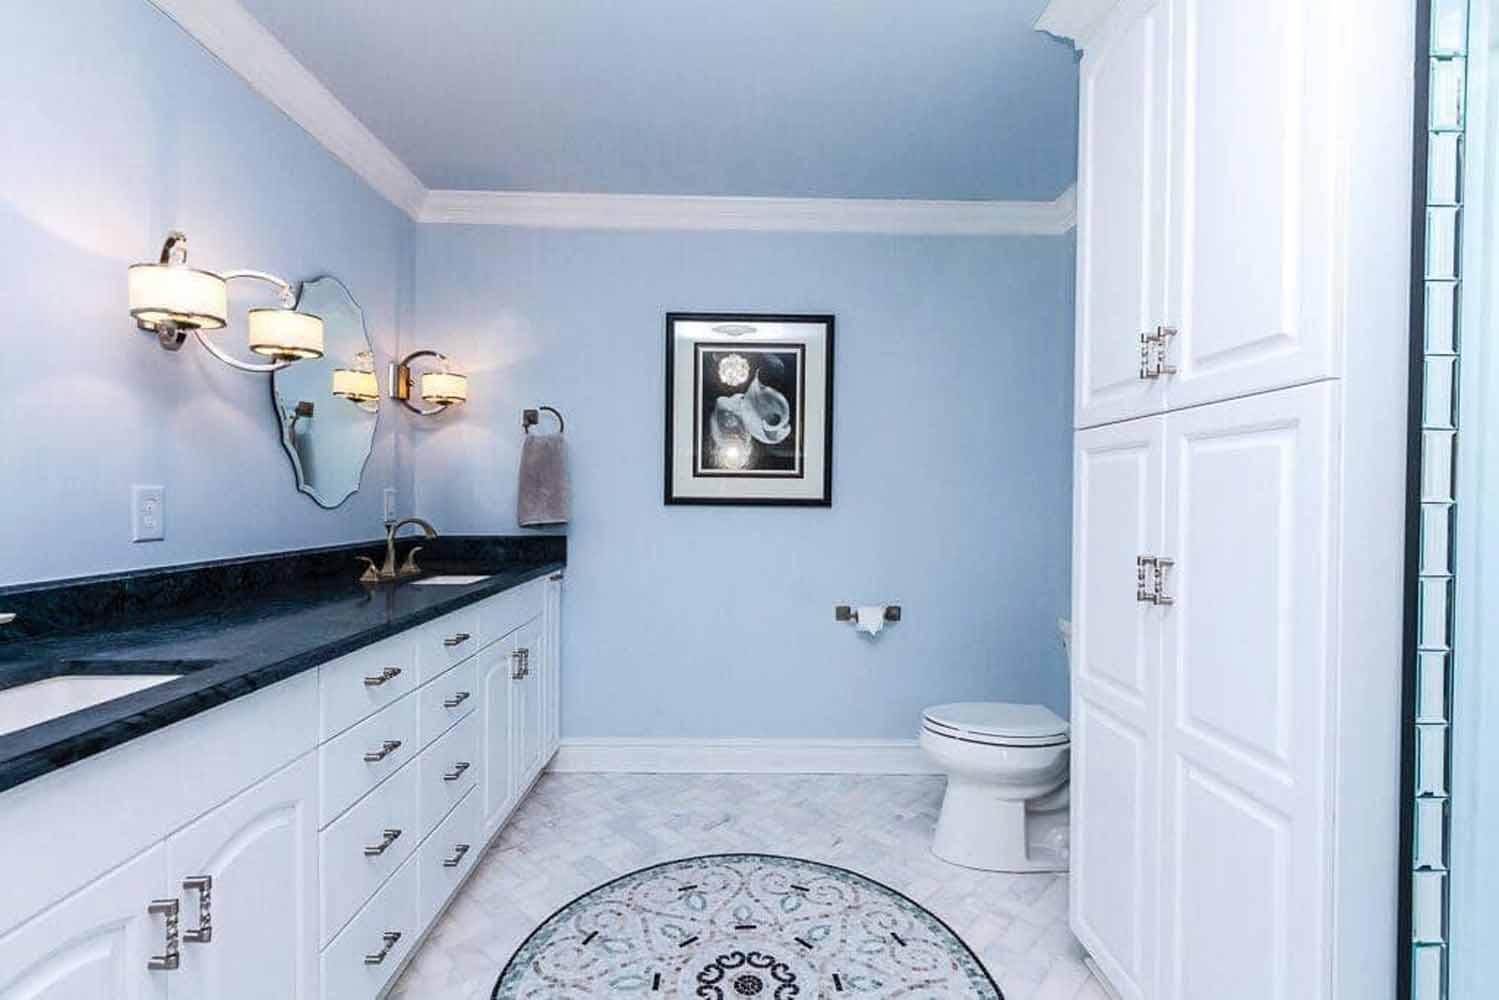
(749, 409)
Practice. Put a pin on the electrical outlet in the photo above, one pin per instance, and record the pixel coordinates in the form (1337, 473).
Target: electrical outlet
(390, 504)
(148, 513)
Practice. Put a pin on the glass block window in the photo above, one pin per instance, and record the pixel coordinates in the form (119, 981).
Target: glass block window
(1430, 712)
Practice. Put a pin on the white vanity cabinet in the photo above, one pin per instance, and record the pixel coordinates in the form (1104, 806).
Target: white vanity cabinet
(294, 843)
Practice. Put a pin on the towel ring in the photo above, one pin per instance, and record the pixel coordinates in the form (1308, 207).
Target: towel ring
(530, 418)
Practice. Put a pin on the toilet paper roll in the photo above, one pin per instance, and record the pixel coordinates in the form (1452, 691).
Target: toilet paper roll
(871, 618)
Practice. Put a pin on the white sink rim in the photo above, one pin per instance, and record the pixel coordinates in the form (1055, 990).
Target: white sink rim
(452, 580)
(54, 697)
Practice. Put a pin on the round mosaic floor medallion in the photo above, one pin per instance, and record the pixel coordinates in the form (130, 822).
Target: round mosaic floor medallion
(739, 926)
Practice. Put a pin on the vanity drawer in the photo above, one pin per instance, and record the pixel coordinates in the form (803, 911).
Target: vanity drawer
(360, 758)
(386, 821)
(357, 686)
(357, 965)
(448, 640)
(456, 753)
(504, 613)
(448, 855)
(446, 700)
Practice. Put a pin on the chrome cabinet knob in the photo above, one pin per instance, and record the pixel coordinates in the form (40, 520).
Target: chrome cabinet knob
(456, 700)
(391, 836)
(458, 852)
(389, 939)
(203, 886)
(385, 675)
(171, 958)
(457, 639)
(457, 771)
(386, 749)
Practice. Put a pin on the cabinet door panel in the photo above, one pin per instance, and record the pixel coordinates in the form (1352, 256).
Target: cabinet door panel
(260, 849)
(1246, 670)
(93, 944)
(495, 685)
(527, 707)
(1117, 517)
(1253, 208)
(1121, 223)
(552, 661)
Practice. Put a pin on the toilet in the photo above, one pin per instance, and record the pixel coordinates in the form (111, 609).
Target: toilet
(1006, 803)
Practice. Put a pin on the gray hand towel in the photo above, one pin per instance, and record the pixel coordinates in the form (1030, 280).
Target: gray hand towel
(542, 499)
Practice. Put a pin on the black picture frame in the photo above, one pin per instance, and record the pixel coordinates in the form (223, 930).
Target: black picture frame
(670, 495)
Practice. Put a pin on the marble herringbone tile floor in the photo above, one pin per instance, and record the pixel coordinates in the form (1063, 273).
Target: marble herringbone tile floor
(576, 831)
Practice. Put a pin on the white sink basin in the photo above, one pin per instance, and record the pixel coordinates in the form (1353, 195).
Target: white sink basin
(448, 581)
(27, 704)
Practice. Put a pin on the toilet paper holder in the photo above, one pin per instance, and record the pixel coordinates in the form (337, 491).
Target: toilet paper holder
(845, 613)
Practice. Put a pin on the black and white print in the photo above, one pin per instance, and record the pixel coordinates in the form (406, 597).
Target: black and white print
(749, 409)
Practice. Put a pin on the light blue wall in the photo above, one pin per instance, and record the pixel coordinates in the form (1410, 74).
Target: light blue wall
(952, 477)
(116, 127)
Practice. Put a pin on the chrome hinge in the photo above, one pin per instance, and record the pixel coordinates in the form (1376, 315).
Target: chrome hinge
(1153, 353)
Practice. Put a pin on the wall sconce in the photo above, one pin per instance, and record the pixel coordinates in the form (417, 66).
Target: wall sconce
(443, 388)
(170, 299)
(358, 384)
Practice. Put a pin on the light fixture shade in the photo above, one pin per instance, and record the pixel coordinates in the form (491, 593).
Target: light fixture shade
(184, 296)
(355, 385)
(285, 334)
(444, 388)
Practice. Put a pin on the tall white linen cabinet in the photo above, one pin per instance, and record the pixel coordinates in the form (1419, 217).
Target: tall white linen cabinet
(1243, 265)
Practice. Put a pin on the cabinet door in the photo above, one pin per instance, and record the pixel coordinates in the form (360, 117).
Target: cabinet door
(527, 706)
(1246, 667)
(1117, 517)
(1121, 214)
(552, 662)
(96, 943)
(260, 850)
(496, 664)
(1254, 207)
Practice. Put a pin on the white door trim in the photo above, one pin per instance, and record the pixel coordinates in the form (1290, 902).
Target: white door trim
(741, 756)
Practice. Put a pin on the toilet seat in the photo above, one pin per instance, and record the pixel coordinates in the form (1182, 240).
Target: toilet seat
(997, 723)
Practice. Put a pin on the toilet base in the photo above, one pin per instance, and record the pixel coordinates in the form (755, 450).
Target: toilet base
(979, 829)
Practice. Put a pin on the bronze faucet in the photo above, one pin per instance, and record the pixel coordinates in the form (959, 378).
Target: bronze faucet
(389, 572)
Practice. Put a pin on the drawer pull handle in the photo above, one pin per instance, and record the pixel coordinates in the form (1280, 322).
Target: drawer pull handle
(456, 700)
(457, 771)
(457, 858)
(386, 749)
(388, 673)
(390, 837)
(522, 660)
(172, 957)
(457, 639)
(389, 938)
(203, 886)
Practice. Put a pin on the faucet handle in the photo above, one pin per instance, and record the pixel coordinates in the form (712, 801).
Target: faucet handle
(409, 567)
(370, 574)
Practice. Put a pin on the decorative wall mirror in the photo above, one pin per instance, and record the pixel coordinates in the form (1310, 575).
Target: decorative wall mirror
(328, 407)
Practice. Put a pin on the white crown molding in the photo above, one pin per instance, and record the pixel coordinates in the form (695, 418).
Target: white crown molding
(242, 43)
(742, 756)
(803, 215)
(1073, 19)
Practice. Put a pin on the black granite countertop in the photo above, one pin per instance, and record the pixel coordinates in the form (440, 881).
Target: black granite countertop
(228, 628)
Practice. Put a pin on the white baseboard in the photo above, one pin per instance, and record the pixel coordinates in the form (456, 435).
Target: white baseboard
(1103, 980)
(741, 756)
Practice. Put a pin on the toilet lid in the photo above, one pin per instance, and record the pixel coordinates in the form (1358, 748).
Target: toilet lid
(1000, 719)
